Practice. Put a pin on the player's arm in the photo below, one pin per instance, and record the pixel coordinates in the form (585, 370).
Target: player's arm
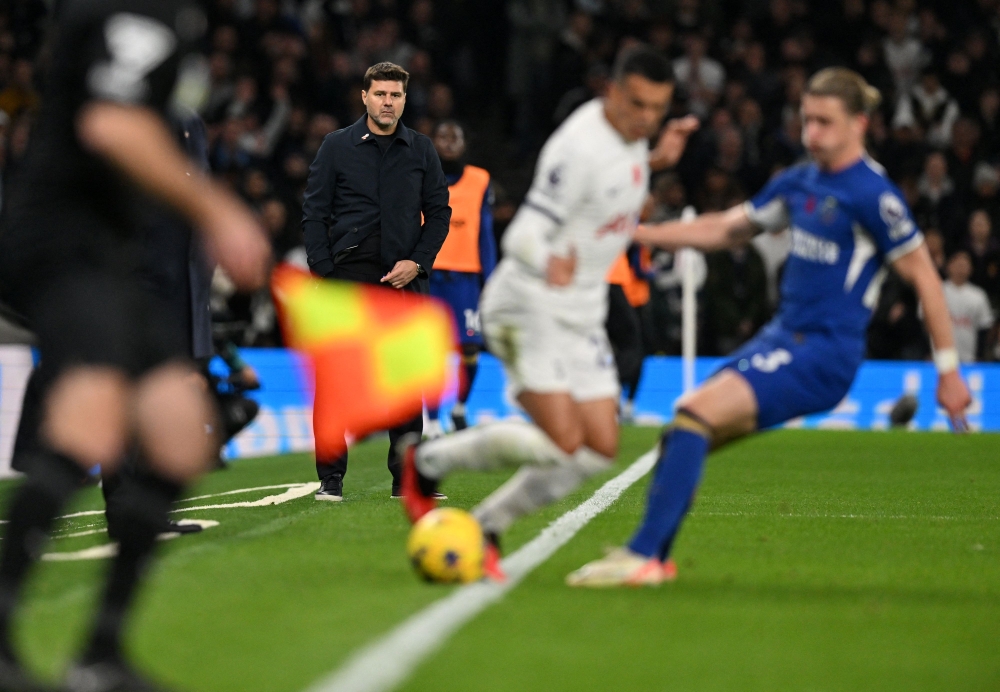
(487, 239)
(672, 142)
(917, 268)
(136, 141)
(560, 184)
(708, 232)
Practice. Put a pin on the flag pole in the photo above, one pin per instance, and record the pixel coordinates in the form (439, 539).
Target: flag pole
(689, 308)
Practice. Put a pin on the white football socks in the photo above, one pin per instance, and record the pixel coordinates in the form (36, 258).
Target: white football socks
(532, 488)
(487, 448)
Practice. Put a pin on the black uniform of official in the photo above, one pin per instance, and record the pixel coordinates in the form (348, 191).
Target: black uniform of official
(69, 242)
(362, 214)
(69, 250)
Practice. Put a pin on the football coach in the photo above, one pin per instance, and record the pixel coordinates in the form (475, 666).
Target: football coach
(375, 211)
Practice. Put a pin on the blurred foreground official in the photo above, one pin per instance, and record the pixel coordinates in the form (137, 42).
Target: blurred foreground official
(113, 367)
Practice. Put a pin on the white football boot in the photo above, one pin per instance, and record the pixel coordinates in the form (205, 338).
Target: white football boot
(622, 567)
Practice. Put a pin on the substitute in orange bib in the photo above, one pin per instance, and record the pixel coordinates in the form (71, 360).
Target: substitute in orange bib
(466, 259)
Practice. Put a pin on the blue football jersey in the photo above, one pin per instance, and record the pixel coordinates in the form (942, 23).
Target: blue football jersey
(846, 227)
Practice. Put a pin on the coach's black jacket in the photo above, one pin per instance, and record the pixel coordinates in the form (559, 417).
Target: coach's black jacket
(353, 190)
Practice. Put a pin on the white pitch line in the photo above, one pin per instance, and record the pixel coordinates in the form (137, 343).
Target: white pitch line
(866, 517)
(385, 664)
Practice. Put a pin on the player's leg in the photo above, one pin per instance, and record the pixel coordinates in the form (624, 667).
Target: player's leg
(470, 368)
(440, 287)
(625, 334)
(552, 370)
(413, 427)
(534, 487)
(170, 410)
(555, 434)
(724, 409)
(534, 353)
(83, 421)
(721, 410)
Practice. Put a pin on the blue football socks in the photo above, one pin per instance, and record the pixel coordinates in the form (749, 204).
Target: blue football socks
(674, 481)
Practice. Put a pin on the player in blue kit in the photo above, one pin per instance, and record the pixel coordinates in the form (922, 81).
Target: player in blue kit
(848, 224)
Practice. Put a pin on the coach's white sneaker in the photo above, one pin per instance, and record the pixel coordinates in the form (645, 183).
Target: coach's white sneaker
(622, 567)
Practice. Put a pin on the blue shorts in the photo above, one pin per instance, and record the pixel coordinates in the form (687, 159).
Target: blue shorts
(460, 290)
(795, 374)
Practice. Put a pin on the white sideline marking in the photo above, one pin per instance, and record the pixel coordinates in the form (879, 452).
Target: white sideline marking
(242, 490)
(294, 491)
(866, 517)
(387, 662)
(106, 550)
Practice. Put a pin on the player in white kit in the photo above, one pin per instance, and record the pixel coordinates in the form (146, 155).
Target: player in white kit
(544, 308)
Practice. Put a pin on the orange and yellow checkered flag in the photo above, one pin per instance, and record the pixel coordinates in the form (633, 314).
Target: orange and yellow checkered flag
(377, 353)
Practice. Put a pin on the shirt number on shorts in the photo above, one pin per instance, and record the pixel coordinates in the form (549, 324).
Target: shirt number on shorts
(473, 325)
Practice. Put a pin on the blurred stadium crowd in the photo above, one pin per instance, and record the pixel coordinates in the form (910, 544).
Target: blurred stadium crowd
(284, 73)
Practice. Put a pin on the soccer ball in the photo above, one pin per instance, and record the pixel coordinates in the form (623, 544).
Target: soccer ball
(446, 546)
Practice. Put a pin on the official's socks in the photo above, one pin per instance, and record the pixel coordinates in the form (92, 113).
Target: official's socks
(532, 488)
(52, 479)
(674, 481)
(144, 505)
(488, 447)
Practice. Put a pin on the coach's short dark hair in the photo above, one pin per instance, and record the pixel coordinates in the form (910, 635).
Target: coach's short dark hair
(645, 62)
(386, 72)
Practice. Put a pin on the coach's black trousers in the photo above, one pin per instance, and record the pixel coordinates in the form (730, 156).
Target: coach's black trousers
(363, 266)
(338, 467)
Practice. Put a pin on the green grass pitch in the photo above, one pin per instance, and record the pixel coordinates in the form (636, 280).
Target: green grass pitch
(813, 561)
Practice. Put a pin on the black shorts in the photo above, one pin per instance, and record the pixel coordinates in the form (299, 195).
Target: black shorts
(86, 316)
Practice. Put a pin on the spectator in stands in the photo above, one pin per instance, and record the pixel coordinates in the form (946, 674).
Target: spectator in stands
(984, 251)
(700, 76)
(731, 158)
(20, 95)
(971, 314)
(735, 297)
(904, 54)
(988, 119)
(929, 108)
(762, 84)
(936, 205)
(935, 246)
(963, 154)
(570, 57)
(896, 331)
(985, 193)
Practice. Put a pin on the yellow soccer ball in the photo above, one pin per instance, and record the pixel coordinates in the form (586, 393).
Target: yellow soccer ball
(446, 546)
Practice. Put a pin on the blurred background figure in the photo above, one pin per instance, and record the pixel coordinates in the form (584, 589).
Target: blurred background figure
(466, 259)
(971, 315)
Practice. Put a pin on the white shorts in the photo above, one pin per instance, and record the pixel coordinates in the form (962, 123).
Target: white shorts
(542, 355)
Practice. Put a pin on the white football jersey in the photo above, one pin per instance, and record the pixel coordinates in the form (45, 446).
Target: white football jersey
(589, 187)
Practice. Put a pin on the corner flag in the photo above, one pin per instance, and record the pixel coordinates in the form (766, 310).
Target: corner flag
(377, 353)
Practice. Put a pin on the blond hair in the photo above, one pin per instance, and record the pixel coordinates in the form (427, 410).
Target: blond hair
(851, 88)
